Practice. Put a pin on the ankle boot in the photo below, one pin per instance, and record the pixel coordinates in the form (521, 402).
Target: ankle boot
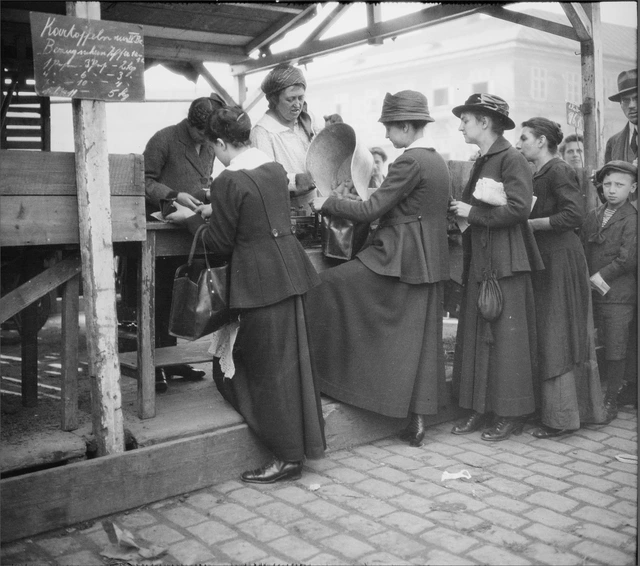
(503, 428)
(475, 421)
(611, 406)
(414, 433)
(615, 373)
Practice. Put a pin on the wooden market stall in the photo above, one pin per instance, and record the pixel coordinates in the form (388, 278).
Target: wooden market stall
(181, 36)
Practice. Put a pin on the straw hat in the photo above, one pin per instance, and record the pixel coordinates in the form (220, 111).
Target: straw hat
(489, 104)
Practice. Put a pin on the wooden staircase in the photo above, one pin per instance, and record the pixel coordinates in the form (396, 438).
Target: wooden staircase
(25, 115)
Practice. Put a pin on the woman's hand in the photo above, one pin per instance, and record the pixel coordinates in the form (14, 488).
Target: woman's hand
(181, 214)
(316, 203)
(460, 208)
(188, 201)
(204, 210)
(304, 183)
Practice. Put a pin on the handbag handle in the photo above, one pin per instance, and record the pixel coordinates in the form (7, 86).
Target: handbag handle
(199, 233)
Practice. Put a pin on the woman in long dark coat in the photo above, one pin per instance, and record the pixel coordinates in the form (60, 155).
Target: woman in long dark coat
(249, 220)
(495, 362)
(570, 381)
(376, 330)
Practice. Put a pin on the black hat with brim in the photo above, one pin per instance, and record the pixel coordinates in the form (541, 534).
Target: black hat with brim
(627, 84)
(489, 104)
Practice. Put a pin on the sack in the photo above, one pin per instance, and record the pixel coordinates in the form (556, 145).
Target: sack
(490, 297)
(200, 298)
(342, 238)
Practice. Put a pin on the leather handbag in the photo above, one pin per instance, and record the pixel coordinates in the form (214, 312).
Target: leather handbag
(490, 293)
(342, 238)
(200, 299)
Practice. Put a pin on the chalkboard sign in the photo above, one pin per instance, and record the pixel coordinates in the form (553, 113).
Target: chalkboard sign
(80, 58)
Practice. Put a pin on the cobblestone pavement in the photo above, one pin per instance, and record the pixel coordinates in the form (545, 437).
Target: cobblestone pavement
(528, 501)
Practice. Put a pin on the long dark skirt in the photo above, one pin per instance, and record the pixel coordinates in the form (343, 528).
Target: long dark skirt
(273, 385)
(495, 365)
(377, 342)
(571, 390)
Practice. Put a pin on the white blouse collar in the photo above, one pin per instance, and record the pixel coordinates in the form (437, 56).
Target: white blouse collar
(249, 159)
(421, 142)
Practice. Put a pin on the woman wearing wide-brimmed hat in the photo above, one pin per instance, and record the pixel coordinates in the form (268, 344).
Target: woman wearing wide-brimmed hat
(376, 336)
(495, 363)
(285, 132)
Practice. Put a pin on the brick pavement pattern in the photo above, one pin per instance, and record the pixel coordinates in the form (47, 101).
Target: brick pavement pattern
(558, 501)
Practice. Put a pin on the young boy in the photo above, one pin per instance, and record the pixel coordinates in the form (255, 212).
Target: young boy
(609, 235)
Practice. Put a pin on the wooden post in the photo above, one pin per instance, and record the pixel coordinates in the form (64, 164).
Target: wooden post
(29, 335)
(98, 278)
(593, 96)
(70, 332)
(146, 328)
(241, 82)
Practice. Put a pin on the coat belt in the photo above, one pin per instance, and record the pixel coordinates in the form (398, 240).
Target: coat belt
(401, 220)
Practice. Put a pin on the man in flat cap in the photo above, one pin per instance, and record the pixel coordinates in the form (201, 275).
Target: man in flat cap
(624, 144)
(178, 162)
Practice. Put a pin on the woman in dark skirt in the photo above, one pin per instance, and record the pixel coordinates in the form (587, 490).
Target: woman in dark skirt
(495, 363)
(376, 334)
(273, 386)
(570, 381)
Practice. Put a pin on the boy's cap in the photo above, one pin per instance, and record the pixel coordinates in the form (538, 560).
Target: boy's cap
(616, 165)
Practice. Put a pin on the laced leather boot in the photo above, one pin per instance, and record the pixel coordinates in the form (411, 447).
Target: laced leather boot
(503, 428)
(474, 422)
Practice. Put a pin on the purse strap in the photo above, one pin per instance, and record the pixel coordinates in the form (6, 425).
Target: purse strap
(199, 234)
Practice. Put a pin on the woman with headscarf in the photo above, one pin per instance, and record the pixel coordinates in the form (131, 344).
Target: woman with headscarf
(285, 132)
(377, 320)
(495, 362)
(570, 381)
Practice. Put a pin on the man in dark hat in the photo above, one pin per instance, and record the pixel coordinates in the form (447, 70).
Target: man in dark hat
(178, 162)
(624, 144)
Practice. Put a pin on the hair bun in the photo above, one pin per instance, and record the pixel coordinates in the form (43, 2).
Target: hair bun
(231, 124)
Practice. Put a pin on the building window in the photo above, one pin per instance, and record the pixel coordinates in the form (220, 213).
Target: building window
(441, 97)
(480, 87)
(573, 88)
(538, 83)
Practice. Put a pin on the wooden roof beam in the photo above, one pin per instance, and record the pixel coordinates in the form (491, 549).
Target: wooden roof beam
(279, 29)
(327, 23)
(411, 22)
(213, 83)
(531, 21)
(579, 19)
(374, 16)
(156, 48)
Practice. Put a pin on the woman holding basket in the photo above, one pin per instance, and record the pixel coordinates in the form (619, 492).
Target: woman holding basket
(377, 319)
